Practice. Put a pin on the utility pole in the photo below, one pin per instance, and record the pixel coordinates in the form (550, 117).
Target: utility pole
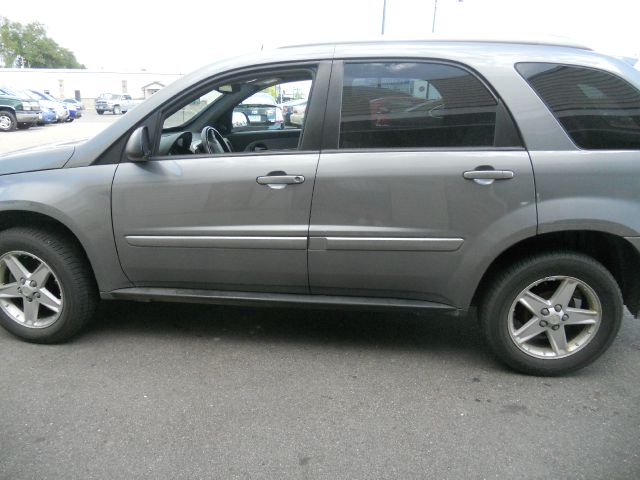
(384, 14)
(435, 10)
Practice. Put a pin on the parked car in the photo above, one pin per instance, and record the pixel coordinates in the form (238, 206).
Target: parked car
(47, 101)
(262, 111)
(497, 175)
(287, 109)
(16, 110)
(114, 103)
(296, 117)
(73, 112)
(47, 113)
(79, 105)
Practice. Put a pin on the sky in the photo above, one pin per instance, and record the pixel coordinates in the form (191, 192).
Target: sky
(178, 37)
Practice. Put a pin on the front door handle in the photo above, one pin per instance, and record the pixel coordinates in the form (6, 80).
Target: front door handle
(488, 174)
(280, 181)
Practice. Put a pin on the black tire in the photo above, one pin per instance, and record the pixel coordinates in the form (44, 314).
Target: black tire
(495, 311)
(8, 121)
(73, 273)
(100, 112)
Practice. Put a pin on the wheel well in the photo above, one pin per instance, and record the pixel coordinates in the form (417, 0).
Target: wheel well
(615, 253)
(19, 218)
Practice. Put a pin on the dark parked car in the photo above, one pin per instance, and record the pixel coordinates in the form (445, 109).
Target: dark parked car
(262, 110)
(17, 110)
(431, 176)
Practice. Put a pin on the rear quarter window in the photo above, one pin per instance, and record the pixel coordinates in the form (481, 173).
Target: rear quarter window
(597, 109)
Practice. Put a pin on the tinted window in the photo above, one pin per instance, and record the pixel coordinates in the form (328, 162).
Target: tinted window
(395, 105)
(597, 109)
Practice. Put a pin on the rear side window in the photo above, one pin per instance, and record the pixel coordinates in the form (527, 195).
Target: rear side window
(597, 109)
(400, 105)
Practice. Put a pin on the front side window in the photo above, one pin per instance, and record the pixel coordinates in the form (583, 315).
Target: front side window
(245, 114)
(597, 109)
(405, 105)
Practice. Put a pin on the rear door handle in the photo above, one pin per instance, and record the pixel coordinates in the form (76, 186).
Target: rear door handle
(280, 181)
(488, 174)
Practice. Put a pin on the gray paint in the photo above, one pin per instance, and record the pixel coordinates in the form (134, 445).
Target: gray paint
(80, 199)
(33, 159)
(416, 195)
(215, 197)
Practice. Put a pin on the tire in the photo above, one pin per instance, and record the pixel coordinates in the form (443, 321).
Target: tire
(8, 121)
(585, 291)
(70, 286)
(69, 120)
(100, 112)
(117, 110)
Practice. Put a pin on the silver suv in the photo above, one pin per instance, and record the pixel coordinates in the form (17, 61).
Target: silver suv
(432, 176)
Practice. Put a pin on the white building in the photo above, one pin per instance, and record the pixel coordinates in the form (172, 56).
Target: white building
(85, 84)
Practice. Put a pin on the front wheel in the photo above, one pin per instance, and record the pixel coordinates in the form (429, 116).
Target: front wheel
(8, 121)
(552, 314)
(47, 290)
(100, 112)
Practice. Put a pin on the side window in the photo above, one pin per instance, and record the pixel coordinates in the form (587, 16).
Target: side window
(597, 109)
(257, 112)
(396, 105)
(277, 107)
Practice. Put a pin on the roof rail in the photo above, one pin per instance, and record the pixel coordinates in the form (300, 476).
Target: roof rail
(542, 41)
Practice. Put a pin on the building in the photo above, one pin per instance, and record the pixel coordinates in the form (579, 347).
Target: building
(86, 84)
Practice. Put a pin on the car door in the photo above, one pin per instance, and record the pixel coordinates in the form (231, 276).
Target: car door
(423, 181)
(229, 221)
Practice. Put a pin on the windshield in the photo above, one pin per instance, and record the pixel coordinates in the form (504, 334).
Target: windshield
(10, 91)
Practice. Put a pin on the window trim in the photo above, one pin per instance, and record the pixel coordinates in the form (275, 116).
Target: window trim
(505, 120)
(550, 110)
(320, 73)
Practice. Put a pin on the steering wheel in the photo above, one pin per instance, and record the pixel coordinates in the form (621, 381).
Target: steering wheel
(213, 141)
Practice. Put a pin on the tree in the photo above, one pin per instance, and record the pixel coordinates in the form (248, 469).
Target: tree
(29, 46)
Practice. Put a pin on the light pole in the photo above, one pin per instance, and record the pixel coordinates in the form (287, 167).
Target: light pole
(384, 14)
(435, 9)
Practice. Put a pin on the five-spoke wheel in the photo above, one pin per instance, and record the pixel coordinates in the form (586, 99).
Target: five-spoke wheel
(47, 289)
(551, 313)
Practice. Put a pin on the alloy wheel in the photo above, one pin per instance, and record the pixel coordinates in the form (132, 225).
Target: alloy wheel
(30, 293)
(554, 317)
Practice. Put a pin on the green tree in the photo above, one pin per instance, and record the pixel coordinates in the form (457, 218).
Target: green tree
(30, 46)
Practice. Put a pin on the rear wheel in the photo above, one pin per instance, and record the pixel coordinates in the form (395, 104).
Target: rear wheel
(8, 121)
(100, 112)
(47, 290)
(552, 314)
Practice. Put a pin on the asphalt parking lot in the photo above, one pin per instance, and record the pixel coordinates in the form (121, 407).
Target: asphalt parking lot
(168, 391)
(89, 125)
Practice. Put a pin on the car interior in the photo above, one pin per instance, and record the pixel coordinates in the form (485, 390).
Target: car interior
(208, 122)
